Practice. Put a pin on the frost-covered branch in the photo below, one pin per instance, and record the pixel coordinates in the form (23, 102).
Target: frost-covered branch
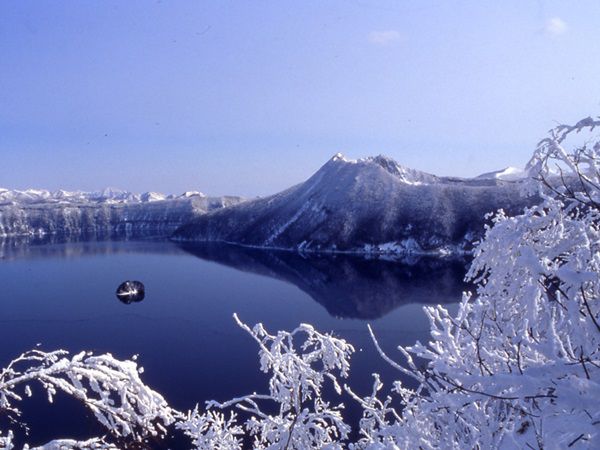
(110, 388)
(574, 175)
(71, 444)
(293, 414)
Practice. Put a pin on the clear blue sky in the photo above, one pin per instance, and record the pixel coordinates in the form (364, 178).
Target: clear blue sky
(250, 97)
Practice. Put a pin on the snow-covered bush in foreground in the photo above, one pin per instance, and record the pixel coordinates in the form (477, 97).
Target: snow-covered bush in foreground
(519, 365)
(110, 388)
(293, 415)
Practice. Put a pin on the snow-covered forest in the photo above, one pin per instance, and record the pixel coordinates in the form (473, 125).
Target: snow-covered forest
(518, 366)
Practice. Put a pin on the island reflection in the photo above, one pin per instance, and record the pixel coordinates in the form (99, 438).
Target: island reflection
(348, 286)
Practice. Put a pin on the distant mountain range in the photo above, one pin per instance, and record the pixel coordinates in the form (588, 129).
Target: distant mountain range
(100, 215)
(107, 195)
(371, 205)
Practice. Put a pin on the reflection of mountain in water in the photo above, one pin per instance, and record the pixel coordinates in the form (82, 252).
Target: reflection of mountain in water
(346, 285)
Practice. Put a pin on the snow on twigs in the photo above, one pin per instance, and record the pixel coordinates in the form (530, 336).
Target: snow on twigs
(111, 389)
(299, 362)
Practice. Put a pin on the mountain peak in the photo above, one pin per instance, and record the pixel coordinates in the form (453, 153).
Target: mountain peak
(388, 164)
(405, 174)
(188, 194)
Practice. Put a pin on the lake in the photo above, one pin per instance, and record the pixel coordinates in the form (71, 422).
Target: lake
(62, 295)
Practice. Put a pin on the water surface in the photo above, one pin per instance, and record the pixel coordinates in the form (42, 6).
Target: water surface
(63, 296)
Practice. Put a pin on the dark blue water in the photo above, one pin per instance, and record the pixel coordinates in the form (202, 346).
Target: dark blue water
(63, 296)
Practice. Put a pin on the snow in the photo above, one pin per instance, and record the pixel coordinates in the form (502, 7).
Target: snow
(292, 411)
(107, 195)
(285, 225)
(111, 389)
(507, 174)
(517, 366)
(405, 174)
(189, 194)
(340, 157)
(152, 197)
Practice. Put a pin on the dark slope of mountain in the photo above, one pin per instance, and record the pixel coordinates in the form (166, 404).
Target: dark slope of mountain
(348, 286)
(368, 205)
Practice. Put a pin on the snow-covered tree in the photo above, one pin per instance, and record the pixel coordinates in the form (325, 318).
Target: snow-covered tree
(519, 365)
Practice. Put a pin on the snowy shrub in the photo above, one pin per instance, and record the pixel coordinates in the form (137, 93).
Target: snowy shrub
(110, 388)
(519, 365)
(293, 415)
(6, 441)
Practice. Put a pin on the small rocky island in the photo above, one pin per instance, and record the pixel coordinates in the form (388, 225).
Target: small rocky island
(131, 292)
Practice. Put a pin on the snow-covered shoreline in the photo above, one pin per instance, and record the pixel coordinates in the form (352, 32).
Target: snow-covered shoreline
(380, 251)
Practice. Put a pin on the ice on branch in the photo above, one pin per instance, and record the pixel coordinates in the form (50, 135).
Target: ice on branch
(293, 414)
(6, 441)
(71, 444)
(573, 175)
(110, 388)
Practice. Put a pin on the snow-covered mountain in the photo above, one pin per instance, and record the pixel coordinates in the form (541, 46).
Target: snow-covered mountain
(107, 195)
(102, 214)
(366, 205)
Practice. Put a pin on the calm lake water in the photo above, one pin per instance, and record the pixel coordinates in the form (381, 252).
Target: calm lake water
(63, 296)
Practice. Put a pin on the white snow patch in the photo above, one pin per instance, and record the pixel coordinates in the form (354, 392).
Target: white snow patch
(507, 174)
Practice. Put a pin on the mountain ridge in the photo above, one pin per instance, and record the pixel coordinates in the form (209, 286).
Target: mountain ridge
(106, 195)
(369, 205)
(100, 214)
